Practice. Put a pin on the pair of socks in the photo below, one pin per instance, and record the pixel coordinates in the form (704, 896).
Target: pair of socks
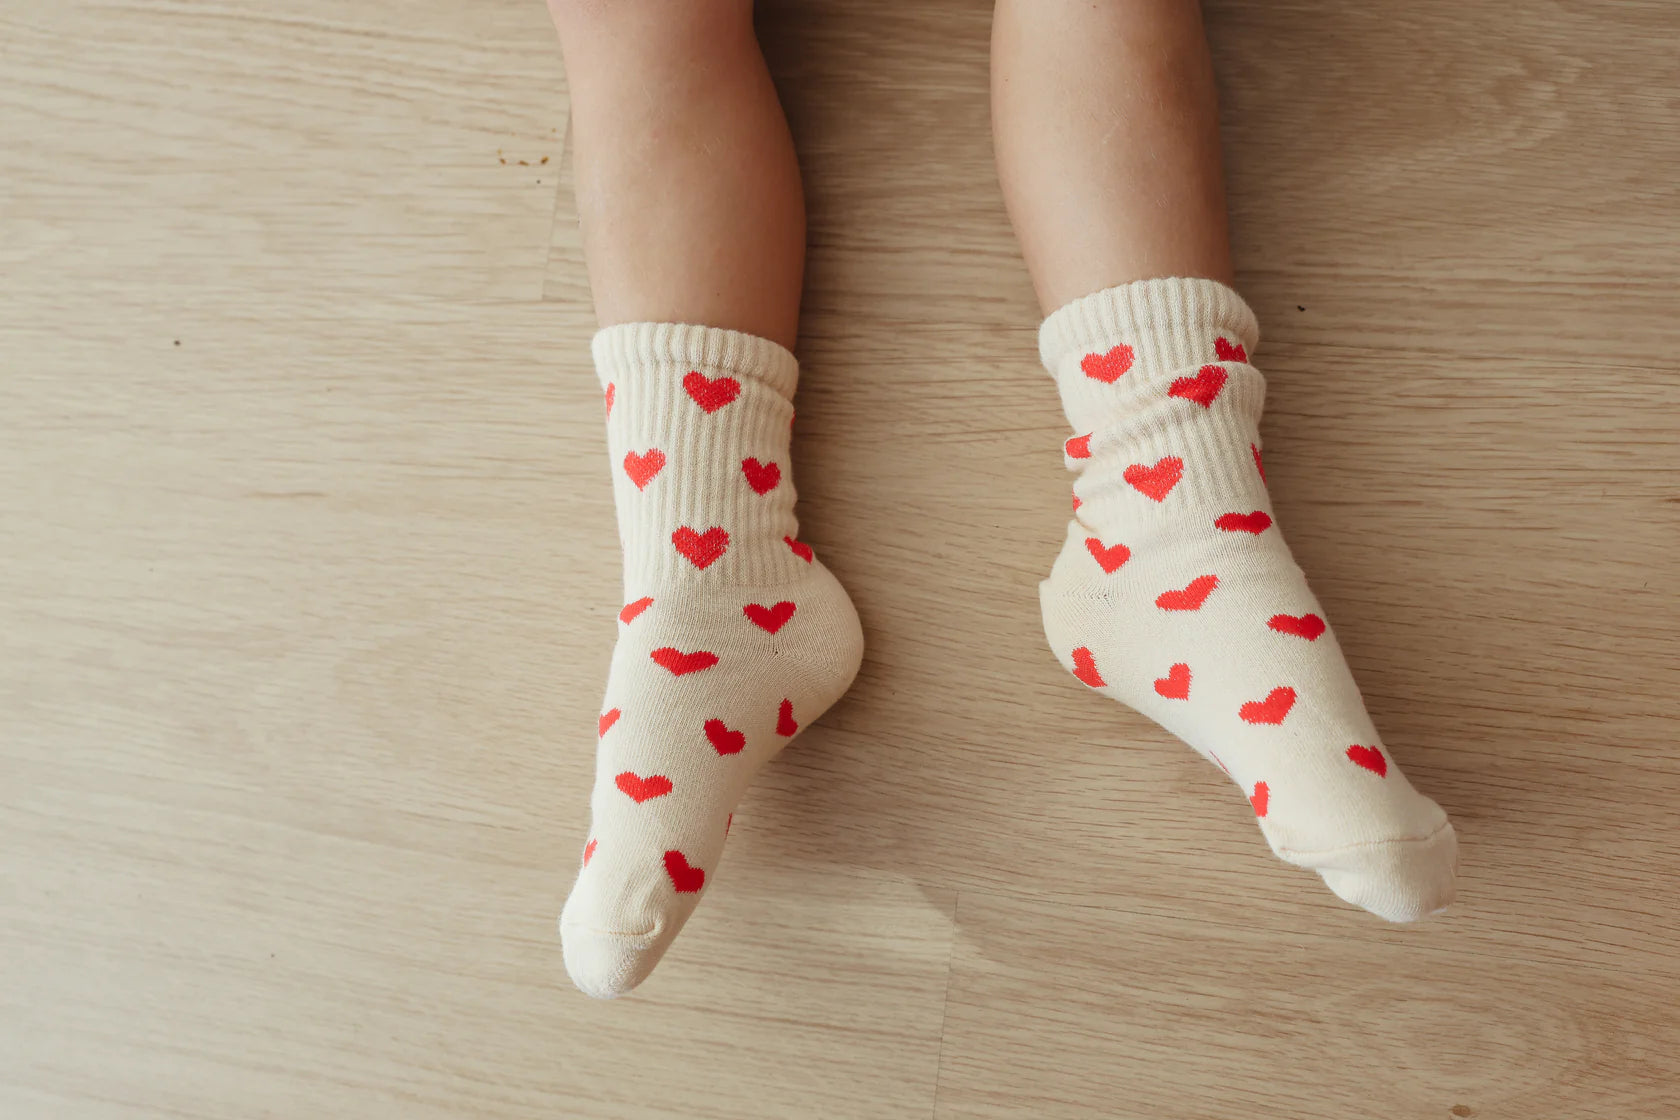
(1174, 594)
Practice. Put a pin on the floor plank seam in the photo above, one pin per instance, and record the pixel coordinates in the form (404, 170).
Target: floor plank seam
(945, 1005)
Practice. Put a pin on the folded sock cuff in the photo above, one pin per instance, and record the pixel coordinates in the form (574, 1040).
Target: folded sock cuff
(1172, 317)
(630, 347)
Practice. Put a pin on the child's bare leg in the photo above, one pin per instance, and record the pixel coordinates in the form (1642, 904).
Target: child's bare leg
(1107, 134)
(1174, 592)
(687, 183)
(732, 636)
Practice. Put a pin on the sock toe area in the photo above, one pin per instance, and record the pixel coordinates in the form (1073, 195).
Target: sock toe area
(605, 964)
(1397, 880)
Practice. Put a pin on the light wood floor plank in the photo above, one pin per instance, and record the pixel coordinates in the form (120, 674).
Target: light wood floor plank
(1129, 1016)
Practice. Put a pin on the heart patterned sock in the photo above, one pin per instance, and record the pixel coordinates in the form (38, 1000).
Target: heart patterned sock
(732, 636)
(1176, 595)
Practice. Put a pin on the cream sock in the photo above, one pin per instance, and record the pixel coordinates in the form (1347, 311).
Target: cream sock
(732, 637)
(1176, 595)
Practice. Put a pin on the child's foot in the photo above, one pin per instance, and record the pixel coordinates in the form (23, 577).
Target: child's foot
(732, 636)
(1175, 593)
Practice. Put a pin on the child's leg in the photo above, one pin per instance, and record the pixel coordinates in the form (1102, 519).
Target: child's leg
(687, 184)
(1175, 592)
(732, 636)
(1107, 134)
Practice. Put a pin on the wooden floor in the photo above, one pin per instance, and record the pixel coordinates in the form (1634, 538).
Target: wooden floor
(308, 583)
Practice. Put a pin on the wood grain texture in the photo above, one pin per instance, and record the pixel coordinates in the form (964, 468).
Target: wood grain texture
(303, 621)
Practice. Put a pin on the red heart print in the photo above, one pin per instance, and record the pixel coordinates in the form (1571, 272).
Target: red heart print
(1308, 626)
(771, 619)
(604, 724)
(679, 662)
(1085, 668)
(1155, 482)
(588, 851)
(1195, 593)
(1076, 503)
(642, 468)
(1257, 522)
(1108, 367)
(701, 549)
(686, 879)
(785, 725)
(1229, 351)
(800, 549)
(1202, 388)
(1370, 758)
(1271, 710)
(1176, 684)
(607, 396)
(762, 477)
(710, 393)
(1079, 447)
(1258, 465)
(632, 611)
(1108, 559)
(639, 789)
(723, 740)
(1260, 798)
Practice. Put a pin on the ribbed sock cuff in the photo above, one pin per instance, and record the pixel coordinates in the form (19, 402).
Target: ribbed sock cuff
(1154, 370)
(629, 347)
(698, 428)
(1168, 321)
